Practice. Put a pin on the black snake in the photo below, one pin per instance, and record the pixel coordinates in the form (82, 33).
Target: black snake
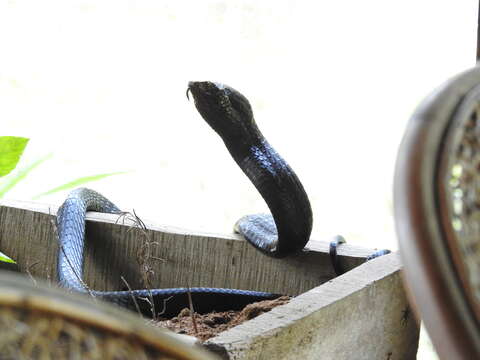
(229, 113)
(284, 232)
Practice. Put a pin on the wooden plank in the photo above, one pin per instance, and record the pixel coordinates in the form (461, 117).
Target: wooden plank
(359, 315)
(363, 314)
(188, 258)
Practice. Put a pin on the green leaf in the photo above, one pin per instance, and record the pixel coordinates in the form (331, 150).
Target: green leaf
(78, 182)
(5, 258)
(11, 148)
(14, 179)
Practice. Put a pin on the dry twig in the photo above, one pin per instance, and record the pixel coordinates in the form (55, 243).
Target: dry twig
(132, 296)
(144, 255)
(192, 311)
(27, 270)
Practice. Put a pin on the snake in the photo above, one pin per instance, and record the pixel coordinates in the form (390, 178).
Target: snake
(70, 224)
(287, 229)
(283, 232)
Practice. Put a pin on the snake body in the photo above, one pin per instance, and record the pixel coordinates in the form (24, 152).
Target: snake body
(288, 228)
(71, 234)
(284, 232)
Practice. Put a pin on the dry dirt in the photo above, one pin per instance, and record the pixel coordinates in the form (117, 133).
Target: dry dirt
(209, 325)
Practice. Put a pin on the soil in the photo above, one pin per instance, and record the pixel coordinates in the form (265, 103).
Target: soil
(209, 325)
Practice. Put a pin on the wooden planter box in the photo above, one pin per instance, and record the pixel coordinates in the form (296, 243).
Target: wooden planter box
(362, 314)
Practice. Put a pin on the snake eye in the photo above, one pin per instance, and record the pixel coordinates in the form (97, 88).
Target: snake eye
(233, 101)
(240, 104)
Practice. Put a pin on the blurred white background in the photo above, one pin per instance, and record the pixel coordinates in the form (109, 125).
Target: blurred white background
(101, 85)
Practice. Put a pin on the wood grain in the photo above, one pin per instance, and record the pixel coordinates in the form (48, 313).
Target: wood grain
(361, 315)
(182, 257)
(357, 315)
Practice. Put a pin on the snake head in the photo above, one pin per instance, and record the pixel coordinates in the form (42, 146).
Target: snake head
(225, 109)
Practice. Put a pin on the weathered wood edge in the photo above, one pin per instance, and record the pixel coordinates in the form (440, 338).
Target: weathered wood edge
(362, 314)
(27, 235)
(346, 250)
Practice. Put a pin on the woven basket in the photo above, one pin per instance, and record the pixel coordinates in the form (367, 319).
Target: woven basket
(41, 322)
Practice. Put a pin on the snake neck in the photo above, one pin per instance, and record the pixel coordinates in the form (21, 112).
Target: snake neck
(241, 139)
(282, 191)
